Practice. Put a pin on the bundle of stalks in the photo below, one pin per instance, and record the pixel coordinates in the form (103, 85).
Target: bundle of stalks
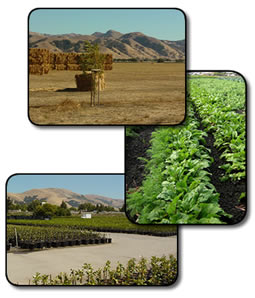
(60, 66)
(61, 58)
(73, 67)
(108, 66)
(85, 82)
(72, 58)
(39, 61)
(39, 56)
(36, 69)
(108, 59)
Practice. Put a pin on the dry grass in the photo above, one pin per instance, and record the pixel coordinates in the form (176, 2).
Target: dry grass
(136, 93)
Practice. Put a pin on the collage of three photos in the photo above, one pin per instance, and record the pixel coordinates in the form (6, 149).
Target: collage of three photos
(185, 150)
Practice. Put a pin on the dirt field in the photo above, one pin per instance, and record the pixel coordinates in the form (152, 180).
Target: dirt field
(21, 266)
(135, 94)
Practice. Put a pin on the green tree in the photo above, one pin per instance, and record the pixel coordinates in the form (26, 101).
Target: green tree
(62, 212)
(63, 205)
(45, 210)
(33, 205)
(92, 58)
(9, 204)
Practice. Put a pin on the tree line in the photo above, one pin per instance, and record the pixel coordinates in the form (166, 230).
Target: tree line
(43, 209)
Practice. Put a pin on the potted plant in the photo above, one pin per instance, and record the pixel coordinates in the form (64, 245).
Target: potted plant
(90, 59)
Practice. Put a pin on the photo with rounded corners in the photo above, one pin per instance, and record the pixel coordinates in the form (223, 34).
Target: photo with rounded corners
(194, 173)
(101, 69)
(71, 230)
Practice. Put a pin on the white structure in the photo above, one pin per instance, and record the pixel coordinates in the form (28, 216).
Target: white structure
(87, 215)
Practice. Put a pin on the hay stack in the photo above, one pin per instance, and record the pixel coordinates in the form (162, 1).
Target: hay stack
(42, 60)
(108, 62)
(84, 82)
(73, 58)
(61, 58)
(73, 67)
(39, 61)
(52, 60)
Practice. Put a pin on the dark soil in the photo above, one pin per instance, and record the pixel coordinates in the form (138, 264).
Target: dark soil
(137, 147)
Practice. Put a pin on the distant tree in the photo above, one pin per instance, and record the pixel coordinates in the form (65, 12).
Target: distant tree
(33, 205)
(45, 210)
(9, 203)
(63, 205)
(62, 212)
(73, 209)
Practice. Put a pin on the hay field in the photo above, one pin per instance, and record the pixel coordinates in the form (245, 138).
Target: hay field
(135, 94)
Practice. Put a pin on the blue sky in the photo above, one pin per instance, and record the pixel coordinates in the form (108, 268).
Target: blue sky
(105, 185)
(166, 24)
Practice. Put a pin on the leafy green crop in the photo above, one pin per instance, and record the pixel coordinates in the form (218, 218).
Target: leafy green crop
(177, 187)
(104, 223)
(159, 271)
(221, 105)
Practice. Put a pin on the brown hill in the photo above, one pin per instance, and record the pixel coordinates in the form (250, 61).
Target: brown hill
(57, 195)
(121, 46)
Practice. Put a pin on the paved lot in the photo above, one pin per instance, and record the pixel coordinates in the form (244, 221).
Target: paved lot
(21, 266)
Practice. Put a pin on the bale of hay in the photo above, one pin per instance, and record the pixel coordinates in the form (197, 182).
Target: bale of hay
(60, 58)
(73, 67)
(72, 58)
(108, 66)
(39, 56)
(60, 66)
(46, 68)
(84, 82)
(108, 59)
(36, 69)
(52, 58)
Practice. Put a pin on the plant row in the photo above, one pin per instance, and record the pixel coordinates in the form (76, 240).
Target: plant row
(102, 223)
(177, 187)
(39, 237)
(221, 107)
(159, 271)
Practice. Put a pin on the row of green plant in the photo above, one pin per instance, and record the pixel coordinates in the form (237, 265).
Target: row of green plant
(99, 222)
(36, 234)
(177, 187)
(159, 271)
(221, 106)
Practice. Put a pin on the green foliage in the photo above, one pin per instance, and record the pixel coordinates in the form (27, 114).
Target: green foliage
(33, 205)
(98, 207)
(35, 234)
(63, 205)
(45, 210)
(159, 271)
(130, 131)
(108, 223)
(177, 187)
(221, 105)
(92, 58)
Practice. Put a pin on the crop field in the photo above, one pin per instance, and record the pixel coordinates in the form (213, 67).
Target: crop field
(100, 223)
(72, 251)
(135, 93)
(194, 173)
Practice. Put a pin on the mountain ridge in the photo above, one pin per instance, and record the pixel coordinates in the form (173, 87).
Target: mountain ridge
(121, 46)
(55, 196)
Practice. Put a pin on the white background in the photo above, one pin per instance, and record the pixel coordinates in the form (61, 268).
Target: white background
(213, 261)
